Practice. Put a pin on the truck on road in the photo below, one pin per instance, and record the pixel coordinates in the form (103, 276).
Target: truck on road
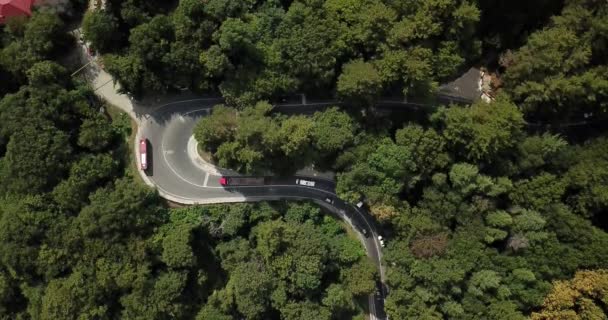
(143, 154)
(303, 182)
(242, 181)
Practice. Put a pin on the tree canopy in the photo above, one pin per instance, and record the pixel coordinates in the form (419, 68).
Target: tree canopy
(491, 210)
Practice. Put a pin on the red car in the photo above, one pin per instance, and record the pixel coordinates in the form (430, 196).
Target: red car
(143, 154)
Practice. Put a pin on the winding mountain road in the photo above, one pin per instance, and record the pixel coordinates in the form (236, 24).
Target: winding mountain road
(182, 178)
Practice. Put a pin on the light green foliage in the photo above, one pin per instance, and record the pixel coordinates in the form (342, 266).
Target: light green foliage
(236, 37)
(484, 282)
(214, 61)
(251, 287)
(523, 227)
(539, 192)
(360, 278)
(499, 219)
(302, 212)
(256, 136)
(211, 313)
(217, 128)
(296, 256)
(465, 178)
(177, 252)
(346, 250)
(338, 300)
(483, 131)
(305, 311)
(254, 140)
(284, 261)
(332, 130)
(364, 23)
(428, 147)
(359, 82)
(296, 135)
(381, 176)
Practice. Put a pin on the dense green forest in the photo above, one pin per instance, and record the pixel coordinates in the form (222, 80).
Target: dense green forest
(80, 238)
(492, 211)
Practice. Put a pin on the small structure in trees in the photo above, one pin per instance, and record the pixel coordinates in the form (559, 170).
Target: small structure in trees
(15, 8)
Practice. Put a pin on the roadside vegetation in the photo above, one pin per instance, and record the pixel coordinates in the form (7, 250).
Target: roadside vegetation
(491, 210)
(81, 237)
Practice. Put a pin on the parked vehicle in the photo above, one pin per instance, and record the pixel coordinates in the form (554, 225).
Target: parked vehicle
(306, 183)
(143, 154)
(381, 241)
(242, 181)
(329, 200)
(364, 232)
(359, 204)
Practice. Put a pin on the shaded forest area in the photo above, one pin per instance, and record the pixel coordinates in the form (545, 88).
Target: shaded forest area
(486, 216)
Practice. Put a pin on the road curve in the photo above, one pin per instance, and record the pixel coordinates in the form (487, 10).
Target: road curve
(178, 178)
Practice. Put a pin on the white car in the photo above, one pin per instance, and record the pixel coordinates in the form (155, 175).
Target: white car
(303, 182)
(381, 241)
(359, 204)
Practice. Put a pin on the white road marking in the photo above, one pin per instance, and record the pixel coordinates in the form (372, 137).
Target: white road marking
(206, 178)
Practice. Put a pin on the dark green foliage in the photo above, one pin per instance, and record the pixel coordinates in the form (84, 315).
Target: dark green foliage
(100, 29)
(489, 211)
(35, 166)
(561, 71)
(26, 43)
(255, 50)
(481, 210)
(297, 266)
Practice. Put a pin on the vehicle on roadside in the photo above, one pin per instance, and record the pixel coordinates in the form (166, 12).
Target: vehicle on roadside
(381, 241)
(143, 154)
(242, 181)
(364, 232)
(329, 200)
(359, 204)
(306, 183)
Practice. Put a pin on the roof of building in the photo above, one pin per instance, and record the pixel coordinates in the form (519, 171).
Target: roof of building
(13, 8)
(467, 86)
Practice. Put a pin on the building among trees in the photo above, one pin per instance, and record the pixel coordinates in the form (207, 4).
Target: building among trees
(15, 8)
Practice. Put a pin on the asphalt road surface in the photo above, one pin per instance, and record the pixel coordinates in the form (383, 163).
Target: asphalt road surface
(178, 178)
